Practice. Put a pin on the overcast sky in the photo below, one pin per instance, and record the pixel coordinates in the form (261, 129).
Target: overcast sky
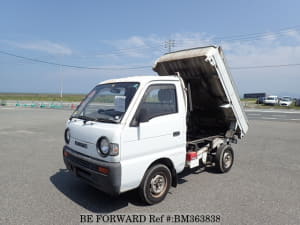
(121, 36)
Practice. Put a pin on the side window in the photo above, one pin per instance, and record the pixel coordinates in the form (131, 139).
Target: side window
(158, 100)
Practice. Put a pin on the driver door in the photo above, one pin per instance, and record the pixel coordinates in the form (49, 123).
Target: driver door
(156, 131)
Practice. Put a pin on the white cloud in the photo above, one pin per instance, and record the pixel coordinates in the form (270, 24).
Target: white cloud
(135, 51)
(43, 46)
(269, 49)
(276, 80)
(135, 47)
(294, 34)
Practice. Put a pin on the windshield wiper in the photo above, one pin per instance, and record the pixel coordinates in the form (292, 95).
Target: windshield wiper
(105, 120)
(85, 118)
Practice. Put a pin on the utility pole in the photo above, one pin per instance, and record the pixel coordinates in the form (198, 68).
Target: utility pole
(169, 44)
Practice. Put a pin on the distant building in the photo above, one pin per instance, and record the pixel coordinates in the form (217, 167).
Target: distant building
(254, 95)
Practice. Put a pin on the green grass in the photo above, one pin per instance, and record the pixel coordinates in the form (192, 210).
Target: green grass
(248, 99)
(41, 97)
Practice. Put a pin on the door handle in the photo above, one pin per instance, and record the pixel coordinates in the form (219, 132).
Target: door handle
(176, 133)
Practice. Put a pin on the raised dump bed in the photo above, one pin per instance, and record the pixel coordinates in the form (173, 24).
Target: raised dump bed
(213, 105)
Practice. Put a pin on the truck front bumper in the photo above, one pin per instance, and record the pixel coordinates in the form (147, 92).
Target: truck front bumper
(89, 168)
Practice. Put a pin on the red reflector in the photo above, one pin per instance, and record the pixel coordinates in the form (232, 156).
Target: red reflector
(66, 154)
(103, 170)
(191, 155)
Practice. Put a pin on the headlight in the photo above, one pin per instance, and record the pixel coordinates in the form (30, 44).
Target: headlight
(67, 135)
(105, 148)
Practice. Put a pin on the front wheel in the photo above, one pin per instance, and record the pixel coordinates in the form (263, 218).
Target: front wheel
(224, 158)
(155, 184)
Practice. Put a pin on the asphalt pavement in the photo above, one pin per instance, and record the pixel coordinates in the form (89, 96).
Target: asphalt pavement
(273, 114)
(261, 188)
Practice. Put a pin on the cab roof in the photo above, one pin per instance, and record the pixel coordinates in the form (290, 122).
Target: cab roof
(142, 79)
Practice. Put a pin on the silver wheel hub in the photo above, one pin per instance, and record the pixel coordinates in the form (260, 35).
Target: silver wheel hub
(157, 184)
(227, 159)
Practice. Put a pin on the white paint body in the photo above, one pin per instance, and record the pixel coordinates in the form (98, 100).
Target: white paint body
(271, 100)
(140, 146)
(286, 101)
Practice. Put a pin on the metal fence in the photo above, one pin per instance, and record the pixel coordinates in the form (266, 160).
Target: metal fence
(40, 104)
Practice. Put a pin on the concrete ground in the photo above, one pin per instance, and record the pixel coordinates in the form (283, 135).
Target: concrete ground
(261, 188)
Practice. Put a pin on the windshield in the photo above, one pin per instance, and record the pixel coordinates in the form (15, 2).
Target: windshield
(286, 99)
(107, 102)
(270, 98)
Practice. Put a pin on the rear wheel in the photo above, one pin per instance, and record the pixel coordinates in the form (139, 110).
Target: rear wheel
(224, 158)
(155, 184)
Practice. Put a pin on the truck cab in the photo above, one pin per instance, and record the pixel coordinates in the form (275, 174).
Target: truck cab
(140, 132)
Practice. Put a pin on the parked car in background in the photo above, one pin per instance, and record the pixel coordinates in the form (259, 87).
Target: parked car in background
(286, 101)
(271, 100)
(260, 100)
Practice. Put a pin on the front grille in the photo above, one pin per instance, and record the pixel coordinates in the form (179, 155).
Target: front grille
(82, 162)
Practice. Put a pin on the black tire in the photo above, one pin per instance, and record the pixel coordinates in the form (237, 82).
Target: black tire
(155, 184)
(224, 158)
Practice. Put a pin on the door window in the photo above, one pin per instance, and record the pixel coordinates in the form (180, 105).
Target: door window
(158, 100)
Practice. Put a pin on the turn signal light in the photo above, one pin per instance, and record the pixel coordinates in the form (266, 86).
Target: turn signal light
(66, 154)
(103, 170)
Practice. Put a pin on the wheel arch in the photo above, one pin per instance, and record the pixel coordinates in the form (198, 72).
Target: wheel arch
(167, 162)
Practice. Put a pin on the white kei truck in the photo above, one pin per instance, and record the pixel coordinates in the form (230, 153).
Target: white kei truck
(140, 132)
